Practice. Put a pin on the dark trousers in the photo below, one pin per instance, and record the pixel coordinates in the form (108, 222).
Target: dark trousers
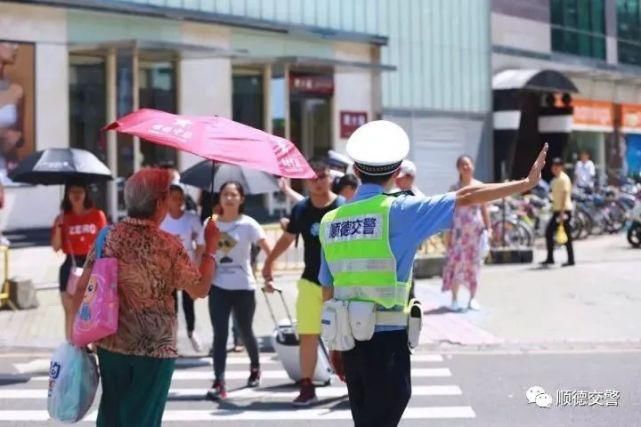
(550, 231)
(65, 269)
(378, 379)
(188, 309)
(134, 389)
(222, 303)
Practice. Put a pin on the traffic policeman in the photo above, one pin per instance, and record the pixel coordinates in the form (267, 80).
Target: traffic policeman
(368, 252)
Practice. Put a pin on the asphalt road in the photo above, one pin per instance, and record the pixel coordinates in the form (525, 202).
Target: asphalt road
(452, 389)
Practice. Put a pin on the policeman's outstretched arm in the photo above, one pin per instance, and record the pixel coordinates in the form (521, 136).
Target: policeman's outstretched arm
(484, 193)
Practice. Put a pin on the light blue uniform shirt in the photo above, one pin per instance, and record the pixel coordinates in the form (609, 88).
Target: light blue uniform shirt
(412, 220)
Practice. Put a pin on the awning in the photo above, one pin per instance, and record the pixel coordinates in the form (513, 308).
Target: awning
(313, 62)
(196, 11)
(155, 50)
(539, 80)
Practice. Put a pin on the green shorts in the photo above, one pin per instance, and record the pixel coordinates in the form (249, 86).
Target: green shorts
(309, 305)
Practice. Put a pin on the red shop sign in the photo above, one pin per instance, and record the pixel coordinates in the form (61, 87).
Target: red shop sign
(350, 121)
(311, 84)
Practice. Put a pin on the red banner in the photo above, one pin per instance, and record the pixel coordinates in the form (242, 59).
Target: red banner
(350, 121)
(311, 84)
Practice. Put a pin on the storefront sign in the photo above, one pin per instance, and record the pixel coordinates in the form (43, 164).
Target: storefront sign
(322, 85)
(350, 121)
(631, 118)
(592, 115)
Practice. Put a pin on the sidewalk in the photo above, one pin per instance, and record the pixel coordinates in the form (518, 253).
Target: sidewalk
(523, 306)
(595, 303)
(42, 328)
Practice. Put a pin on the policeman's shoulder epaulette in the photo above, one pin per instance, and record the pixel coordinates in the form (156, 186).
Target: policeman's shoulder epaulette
(401, 193)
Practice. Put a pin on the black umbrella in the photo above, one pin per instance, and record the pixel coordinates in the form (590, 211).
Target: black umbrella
(254, 181)
(57, 166)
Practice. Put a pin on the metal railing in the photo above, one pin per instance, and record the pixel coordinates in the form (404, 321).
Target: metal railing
(293, 258)
(5, 297)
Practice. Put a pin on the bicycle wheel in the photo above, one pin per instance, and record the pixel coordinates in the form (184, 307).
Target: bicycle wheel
(577, 226)
(586, 222)
(515, 234)
(616, 216)
(525, 234)
(599, 223)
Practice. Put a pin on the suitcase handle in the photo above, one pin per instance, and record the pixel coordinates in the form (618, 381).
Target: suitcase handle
(279, 291)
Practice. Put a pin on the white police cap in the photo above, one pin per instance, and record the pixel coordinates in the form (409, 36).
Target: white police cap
(342, 160)
(378, 147)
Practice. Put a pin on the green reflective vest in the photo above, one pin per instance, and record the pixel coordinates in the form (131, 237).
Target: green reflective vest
(356, 245)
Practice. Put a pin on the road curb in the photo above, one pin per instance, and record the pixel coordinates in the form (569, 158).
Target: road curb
(547, 346)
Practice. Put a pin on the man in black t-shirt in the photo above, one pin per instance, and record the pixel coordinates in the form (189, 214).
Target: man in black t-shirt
(305, 220)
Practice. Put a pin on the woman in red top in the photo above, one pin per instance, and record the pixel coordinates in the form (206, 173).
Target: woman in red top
(74, 232)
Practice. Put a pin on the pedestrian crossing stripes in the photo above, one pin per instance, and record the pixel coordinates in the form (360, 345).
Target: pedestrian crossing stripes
(272, 375)
(253, 393)
(235, 415)
(434, 395)
(40, 365)
(199, 361)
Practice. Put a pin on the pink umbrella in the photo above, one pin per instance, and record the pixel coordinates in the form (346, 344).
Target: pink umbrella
(217, 138)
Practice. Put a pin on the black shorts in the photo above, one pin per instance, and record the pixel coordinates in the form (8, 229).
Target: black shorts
(65, 270)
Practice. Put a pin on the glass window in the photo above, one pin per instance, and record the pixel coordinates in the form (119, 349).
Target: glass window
(556, 12)
(124, 105)
(157, 89)
(571, 14)
(629, 31)
(277, 95)
(310, 111)
(87, 111)
(597, 17)
(578, 27)
(248, 97)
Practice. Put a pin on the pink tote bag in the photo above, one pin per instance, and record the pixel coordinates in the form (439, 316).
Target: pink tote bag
(97, 317)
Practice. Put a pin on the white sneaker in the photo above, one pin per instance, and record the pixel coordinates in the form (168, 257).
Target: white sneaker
(195, 342)
(455, 307)
(474, 305)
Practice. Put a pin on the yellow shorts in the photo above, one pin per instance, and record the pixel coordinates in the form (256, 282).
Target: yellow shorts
(309, 305)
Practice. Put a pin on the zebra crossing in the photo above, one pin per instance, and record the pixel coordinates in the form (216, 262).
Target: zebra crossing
(23, 396)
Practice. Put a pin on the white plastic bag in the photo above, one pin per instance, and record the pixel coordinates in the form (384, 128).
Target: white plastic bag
(73, 381)
(484, 245)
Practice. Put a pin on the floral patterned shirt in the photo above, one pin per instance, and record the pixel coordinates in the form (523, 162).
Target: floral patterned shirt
(151, 265)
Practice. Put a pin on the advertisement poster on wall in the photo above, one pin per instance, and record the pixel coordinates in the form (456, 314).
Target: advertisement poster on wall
(631, 127)
(17, 96)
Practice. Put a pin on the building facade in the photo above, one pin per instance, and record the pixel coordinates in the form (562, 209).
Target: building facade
(311, 71)
(585, 59)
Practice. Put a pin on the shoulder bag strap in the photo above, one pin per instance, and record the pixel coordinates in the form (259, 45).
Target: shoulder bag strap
(67, 244)
(100, 241)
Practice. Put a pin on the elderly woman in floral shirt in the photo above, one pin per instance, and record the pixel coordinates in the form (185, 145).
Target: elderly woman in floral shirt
(137, 362)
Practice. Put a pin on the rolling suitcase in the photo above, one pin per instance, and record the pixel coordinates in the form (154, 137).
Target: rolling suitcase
(286, 344)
